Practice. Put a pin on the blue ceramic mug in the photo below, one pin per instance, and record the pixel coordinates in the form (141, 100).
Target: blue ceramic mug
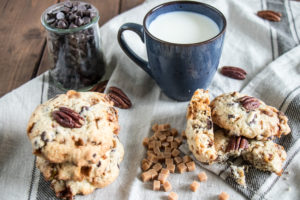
(178, 69)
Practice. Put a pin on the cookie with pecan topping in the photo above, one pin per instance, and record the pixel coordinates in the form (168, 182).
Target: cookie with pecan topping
(199, 128)
(76, 127)
(248, 116)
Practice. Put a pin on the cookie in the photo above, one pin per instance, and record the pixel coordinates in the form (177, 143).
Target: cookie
(229, 146)
(263, 155)
(238, 173)
(76, 127)
(266, 156)
(94, 175)
(249, 117)
(199, 128)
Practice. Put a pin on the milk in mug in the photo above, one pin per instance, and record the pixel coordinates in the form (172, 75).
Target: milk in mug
(183, 27)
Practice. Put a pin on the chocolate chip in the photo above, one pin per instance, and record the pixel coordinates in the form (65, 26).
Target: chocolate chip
(62, 24)
(86, 20)
(68, 4)
(78, 21)
(43, 137)
(60, 15)
(230, 116)
(94, 155)
(99, 164)
(72, 26)
(50, 21)
(209, 124)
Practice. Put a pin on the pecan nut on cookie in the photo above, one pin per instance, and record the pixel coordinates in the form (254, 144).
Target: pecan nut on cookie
(76, 127)
(247, 116)
(199, 128)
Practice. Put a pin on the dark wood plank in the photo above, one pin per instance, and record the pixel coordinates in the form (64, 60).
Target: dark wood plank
(21, 41)
(127, 4)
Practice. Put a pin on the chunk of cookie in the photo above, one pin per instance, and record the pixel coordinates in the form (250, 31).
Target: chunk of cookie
(199, 128)
(76, 127)
(247, 116)
(266, 156)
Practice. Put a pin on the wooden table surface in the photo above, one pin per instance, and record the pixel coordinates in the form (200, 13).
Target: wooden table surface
(23, 49)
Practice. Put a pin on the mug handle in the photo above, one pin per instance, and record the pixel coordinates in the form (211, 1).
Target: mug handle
(139, 30)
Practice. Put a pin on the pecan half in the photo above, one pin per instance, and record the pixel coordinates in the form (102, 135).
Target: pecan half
(237, 143)
(270, 15)
(67, 118)
(234, 72)
(119, 98)
(250, 103)
(100, 87)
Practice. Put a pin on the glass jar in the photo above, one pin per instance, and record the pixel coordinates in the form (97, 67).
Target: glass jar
(75, 54)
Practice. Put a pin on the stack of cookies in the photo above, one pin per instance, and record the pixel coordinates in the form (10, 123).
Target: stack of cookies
(75, 139)
(244, 127)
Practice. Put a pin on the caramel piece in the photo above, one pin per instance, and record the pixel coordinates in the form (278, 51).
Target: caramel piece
(158, 144)
(162, 138)
(170, 139)
(156, 185)
(168, 149)
(164, 127)
(167, 154)
(168, 161)
(223, 196)
(178, 160)
(194, 186)
(146, 164)
(202, 177)
(152, 158)
(153, 173)
(162, 177)
(183, 134)
(156, 150)
(171, 168)
(186, 159)
(151, 145)
(146, 176)
(160, 156)
(155, 127)
(175, 152)
(191, 166)
(174, 132)
(165, 144)
(156, 135)
(174, 145)
(164, 171)
(157, 167)
(146, 142)
(167, 186)
(181, 168)
(150, 152)
(173, 196)
(178, 140)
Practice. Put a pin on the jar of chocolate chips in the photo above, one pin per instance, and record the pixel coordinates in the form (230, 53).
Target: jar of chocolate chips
(74, 45)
